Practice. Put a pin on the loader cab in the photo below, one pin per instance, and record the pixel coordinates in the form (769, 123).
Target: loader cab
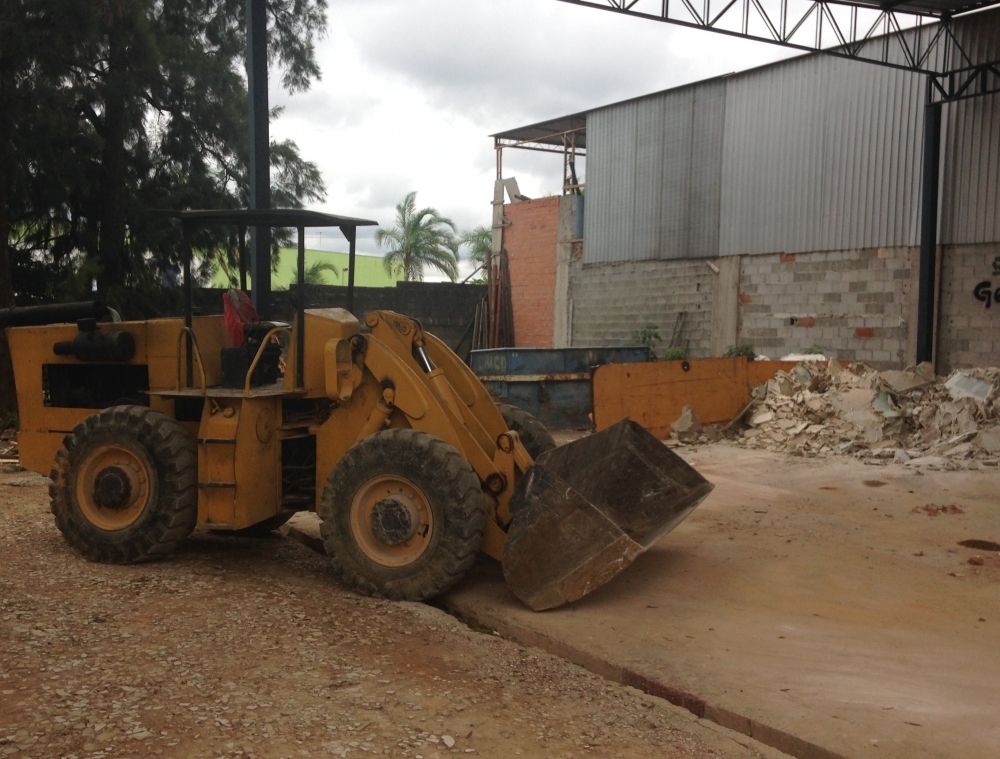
(257, 383)
(262, 328)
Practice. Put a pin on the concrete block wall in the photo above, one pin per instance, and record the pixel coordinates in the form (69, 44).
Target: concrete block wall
(608, 302)
(444, 309)
(969, 326)
(856, 304)
(530, 240)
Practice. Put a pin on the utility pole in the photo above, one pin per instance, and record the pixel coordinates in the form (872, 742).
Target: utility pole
(260, 154)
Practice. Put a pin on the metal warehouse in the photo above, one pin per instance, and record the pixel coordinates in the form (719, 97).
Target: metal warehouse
(781, 207)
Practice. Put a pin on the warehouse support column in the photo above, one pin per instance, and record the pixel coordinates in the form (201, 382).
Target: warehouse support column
(928, 230)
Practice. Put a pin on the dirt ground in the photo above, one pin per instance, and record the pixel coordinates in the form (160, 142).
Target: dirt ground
(239, 647)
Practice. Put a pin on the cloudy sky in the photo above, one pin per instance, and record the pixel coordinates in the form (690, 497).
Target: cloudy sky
(412, 89)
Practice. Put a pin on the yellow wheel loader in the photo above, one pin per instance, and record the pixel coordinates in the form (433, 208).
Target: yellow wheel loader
(152, 428)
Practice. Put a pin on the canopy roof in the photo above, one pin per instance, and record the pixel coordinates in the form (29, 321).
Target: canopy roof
(269, 217)
(549, 132)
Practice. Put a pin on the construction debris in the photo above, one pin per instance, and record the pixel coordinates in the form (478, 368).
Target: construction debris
(908, 417)
(687, 426)
(8, 445)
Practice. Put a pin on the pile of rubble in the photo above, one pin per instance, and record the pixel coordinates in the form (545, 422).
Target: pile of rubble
(8, 444)
(909, 416)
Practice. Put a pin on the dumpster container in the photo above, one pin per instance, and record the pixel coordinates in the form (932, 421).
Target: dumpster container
(552, 384)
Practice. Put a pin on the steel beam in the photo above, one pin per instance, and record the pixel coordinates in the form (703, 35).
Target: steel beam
(927, 293)
(260, 154)
(351, 233)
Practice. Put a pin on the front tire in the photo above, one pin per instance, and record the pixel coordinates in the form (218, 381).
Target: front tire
(403, 515)
(534, 435)
(124, 486)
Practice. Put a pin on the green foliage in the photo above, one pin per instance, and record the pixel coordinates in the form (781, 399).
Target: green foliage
(111, 108)
(315, 274)
(815, 350)
(674, 354)
(479, 242)
(419, 239)
(647, 335)
(741, 350)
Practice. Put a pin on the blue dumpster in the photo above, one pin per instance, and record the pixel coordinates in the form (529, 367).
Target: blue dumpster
(552, 384)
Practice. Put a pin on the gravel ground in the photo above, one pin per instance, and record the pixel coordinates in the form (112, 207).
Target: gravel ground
(239, 647)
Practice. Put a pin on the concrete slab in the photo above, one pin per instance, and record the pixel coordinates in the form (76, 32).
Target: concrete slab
(814, 604)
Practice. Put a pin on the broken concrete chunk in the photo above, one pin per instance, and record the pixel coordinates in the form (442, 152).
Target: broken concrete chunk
(855, 399)
(903, 382)
(988, 440)
(926, 370)
(883, 404)
(801, 375)
(961, 385)
(780, 384)
(959, 451)
(761, 417)
(687, 425)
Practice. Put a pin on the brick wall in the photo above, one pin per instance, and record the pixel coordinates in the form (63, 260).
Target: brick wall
(611, 301)
(530, 241)
(968, 331)
(853, 303)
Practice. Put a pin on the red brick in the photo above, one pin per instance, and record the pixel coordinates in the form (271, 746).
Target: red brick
(864, 331)
(744, 298)
(788, 258)
(531, 241)
(807, 321)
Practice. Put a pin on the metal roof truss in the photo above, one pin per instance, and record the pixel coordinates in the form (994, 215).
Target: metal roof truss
(914, 35)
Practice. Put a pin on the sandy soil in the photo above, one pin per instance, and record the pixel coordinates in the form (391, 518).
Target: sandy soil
(239, 647)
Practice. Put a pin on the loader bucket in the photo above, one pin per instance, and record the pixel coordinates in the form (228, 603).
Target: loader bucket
(586, 510)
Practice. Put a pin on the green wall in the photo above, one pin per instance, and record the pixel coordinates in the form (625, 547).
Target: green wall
(368, 270)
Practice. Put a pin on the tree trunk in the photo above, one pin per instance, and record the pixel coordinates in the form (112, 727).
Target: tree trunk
(111, 247)
(8, 396)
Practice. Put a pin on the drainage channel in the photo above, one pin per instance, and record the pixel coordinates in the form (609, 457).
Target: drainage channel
(478, 622)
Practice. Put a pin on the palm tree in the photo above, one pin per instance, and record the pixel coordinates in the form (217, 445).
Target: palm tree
(480, 244)
(418, 239)
(315, 274)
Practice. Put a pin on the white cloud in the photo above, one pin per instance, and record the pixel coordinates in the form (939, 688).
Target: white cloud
(412, 89)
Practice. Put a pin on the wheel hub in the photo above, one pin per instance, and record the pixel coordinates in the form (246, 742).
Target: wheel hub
(114, 484)
(392, 522)
(112, 489)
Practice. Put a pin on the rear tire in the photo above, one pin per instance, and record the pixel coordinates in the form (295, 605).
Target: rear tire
(124, 486)
(534, 435)
(403, 515)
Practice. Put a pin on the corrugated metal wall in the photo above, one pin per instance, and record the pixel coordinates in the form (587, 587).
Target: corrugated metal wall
(821, 154)
(658, 165)
(970, 187)
(816, 153)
